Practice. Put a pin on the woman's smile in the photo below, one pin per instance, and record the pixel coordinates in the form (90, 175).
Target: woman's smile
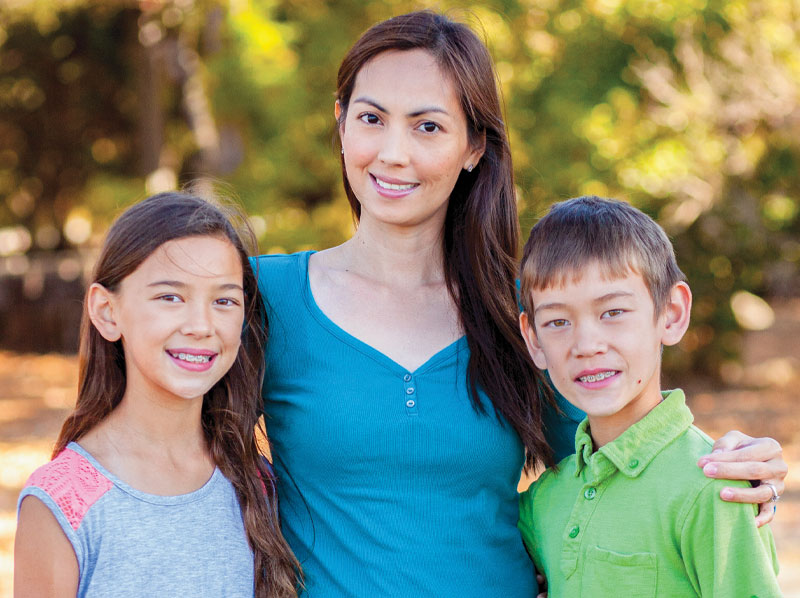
(389, 187)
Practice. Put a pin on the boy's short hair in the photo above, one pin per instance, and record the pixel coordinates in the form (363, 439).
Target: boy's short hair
(612, 232)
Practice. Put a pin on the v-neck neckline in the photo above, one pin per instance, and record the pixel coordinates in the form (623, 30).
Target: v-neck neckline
(361, 346)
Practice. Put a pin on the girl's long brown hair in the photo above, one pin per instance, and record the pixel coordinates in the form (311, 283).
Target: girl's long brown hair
(232, 407)
(481, 231)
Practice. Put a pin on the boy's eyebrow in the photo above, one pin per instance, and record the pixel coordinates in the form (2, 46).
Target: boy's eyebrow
(228, 286)
(418, 112)
(545, 306)
(612, 295)
(602, 299)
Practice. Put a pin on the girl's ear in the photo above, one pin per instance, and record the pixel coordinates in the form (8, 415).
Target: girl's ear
(100, 305)
(676, 313)
(532, 342)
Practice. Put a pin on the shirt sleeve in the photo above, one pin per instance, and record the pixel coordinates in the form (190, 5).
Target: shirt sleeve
(725, 554)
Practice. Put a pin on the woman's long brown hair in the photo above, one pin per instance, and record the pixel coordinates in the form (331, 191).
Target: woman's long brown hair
(481, 231)
(232, 407)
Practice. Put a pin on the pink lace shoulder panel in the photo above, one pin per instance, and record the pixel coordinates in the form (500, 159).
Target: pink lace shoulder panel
(73, 483)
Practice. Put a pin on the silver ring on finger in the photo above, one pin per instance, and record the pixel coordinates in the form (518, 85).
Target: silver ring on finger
(775, 496)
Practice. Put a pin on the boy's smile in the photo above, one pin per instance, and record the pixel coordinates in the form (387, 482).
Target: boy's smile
(601, 342)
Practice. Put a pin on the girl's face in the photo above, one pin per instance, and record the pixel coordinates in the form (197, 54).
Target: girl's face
(179, 316)
(405, 139)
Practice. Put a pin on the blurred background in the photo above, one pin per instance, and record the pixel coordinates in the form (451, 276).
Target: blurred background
(689, 109)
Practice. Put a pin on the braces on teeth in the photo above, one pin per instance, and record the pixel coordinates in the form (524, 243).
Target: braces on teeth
(193, 358)
(596, 377)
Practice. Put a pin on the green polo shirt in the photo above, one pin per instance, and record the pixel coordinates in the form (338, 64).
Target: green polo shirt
(639, 518)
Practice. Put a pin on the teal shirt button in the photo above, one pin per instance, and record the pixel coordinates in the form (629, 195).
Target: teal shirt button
(574, 531)
(634, 463)
(590, 493)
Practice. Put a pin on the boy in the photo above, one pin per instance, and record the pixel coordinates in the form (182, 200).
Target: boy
(629, 515)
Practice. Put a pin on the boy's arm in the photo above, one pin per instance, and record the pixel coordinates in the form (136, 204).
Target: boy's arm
(724, 553)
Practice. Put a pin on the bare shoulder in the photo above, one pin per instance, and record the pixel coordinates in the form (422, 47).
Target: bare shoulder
(45, 564)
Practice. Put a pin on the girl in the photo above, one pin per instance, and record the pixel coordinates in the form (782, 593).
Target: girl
(400, 395)
(157, 486)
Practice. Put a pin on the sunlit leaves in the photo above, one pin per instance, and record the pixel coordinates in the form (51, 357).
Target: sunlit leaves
(687, 108)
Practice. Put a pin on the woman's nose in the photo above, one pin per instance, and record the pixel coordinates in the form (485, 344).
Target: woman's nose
(394, 149)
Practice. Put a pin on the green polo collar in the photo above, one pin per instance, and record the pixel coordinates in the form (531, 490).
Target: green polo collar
(637, 446)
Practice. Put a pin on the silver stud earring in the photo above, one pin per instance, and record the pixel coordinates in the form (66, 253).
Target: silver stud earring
(470, 167)
(343, 151)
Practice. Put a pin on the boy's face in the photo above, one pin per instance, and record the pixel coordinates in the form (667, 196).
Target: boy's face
(601, 342)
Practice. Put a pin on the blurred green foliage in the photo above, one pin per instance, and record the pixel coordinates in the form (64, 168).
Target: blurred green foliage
(686, 108)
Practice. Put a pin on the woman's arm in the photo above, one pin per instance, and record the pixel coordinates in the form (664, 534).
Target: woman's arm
(45, 565)
(737, 456)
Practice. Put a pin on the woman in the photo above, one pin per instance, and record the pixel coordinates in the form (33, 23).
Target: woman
(399, 398)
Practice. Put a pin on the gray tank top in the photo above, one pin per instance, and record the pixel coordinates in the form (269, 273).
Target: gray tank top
(130, 543)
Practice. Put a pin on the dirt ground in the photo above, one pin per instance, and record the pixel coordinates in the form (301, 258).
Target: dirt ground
(36, 393)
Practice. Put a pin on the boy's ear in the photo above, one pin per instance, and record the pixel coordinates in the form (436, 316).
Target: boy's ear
(677, 312)
(100, 306)
(531, 341)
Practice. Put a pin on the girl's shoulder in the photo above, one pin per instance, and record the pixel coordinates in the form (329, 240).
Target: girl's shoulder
(69, 482)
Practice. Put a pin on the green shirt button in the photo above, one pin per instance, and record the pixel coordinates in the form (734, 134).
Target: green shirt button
(574, 531)
(590, 493)
(634, 463)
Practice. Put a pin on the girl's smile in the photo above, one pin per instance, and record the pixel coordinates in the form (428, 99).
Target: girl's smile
(192, 359)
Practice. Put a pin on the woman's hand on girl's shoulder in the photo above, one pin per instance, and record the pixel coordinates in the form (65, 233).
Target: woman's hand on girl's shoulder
(45, 565)
(737, 456)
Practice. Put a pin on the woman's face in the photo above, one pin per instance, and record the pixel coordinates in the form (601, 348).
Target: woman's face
(405, 139)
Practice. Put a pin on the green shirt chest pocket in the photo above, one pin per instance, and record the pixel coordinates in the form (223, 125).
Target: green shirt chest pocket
(614, 574)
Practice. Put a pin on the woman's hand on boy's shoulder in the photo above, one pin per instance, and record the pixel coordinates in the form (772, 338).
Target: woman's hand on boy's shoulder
(737, 456)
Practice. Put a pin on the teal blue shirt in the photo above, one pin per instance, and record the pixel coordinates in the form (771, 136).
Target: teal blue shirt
(390, 483)
(637, 518)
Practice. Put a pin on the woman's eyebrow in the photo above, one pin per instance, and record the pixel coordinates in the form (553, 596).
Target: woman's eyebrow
(371, 102)
(418, 112)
